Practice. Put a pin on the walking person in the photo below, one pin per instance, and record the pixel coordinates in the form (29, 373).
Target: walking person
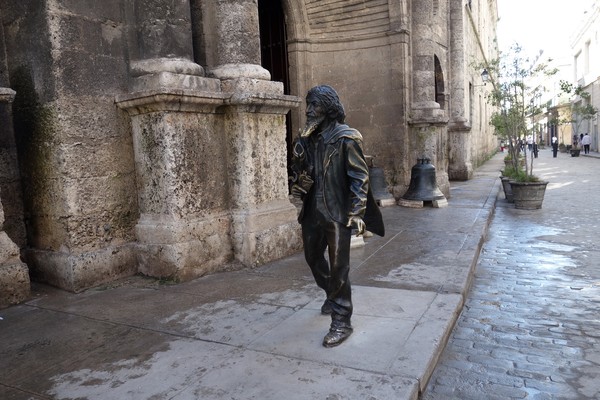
(586, 140)
(554, 146)
(530, 143)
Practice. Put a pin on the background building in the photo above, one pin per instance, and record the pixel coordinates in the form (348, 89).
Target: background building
(585, 47)
(577, 65)
(151, 135)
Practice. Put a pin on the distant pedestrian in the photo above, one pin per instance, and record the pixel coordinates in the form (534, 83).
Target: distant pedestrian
(586, 141)
(554, 146)
(530, 142)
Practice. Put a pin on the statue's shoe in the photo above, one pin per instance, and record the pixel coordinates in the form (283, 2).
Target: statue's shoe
(336, 336)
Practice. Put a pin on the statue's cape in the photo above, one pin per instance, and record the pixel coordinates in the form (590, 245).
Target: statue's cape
(373, 218)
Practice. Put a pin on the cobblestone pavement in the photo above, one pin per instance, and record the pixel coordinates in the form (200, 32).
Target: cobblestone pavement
(530, 328)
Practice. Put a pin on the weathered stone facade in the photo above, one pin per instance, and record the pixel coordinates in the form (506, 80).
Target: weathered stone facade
(473, 44)
(14, 275)
(151, 139)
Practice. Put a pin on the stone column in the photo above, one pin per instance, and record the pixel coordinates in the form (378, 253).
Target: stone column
(265, 223)
(264, 220)
(460, 166)
(10, 177)
(162, 54)
(234, 38)
(183, 227)
(424, 107)
(428, 121)
(14, 275)
(183, 230)
(210, 151)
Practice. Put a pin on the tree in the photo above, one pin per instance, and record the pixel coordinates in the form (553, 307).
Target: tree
(518, 83)
(581, 109)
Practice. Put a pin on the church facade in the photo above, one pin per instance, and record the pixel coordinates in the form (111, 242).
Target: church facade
(151, 137)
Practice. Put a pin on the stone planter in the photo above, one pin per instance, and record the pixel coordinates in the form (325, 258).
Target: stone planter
(528, 195)
(508, 194)
(575, 152)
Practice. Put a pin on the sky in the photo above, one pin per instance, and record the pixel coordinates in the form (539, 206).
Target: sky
(540, 24)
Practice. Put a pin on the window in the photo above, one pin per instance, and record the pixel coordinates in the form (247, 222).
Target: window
(586, 60)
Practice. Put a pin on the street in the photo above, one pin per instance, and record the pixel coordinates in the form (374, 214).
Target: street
(530, 327)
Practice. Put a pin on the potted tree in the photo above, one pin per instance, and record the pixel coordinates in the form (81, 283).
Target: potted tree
(562, 148)
(514, 96)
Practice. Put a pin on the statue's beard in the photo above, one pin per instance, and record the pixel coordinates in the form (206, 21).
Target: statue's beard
(311, 125)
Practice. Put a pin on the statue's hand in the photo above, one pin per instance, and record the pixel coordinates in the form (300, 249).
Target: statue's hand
(358, 223)
(297, 191)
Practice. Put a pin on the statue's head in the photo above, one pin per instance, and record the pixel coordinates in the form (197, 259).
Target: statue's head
(322, 106)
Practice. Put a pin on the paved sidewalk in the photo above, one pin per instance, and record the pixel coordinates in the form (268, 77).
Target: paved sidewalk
(257, 334)
(530, 327)
(594, 154)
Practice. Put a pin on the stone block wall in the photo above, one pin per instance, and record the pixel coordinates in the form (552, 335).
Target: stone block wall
(471, 137)
(361, 75)
(74, 145)
(360, 48)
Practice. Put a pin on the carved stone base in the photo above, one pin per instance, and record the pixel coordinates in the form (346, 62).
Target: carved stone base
(387, 202)
(14, 284)
(420, 204)
(267, 233)
(77, 272)
(183, 249)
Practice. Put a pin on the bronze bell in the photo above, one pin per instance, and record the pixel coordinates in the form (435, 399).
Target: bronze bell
(423, 186)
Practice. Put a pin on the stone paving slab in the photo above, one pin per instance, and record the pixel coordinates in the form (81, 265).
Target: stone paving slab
(257, 375)
(256, 333)
(407, 262)
(380, 330)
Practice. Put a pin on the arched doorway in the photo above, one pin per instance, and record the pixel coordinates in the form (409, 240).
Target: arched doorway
(274, 52)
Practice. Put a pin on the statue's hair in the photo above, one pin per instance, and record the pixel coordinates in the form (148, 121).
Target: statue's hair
(330, 101)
